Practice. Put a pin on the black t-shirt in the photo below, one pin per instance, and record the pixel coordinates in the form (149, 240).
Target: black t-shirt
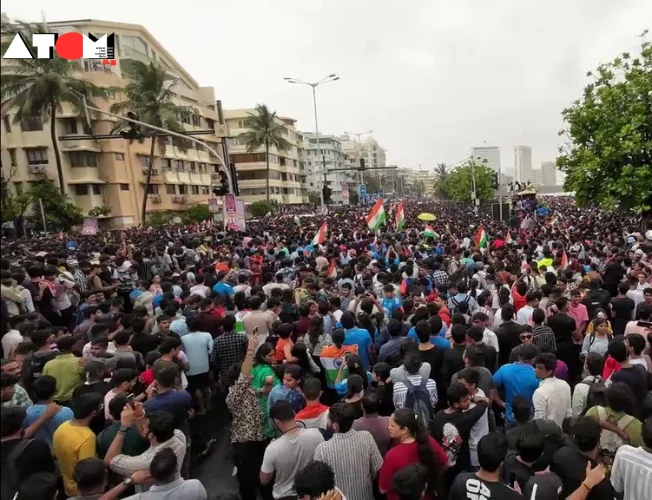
(636, 378)
(563, 327)
(516, 471)
(35, 457)
(145, 343)
(613, 273)
(468, 486)
(451, 430)
(570, 465)
(622, 313)
(508, 337)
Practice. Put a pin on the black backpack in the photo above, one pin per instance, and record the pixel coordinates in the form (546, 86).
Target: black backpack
(597, 395)
(453, 309)
(10, 476)
(418, 400)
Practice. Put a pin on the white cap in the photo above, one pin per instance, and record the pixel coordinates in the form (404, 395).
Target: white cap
(648, 235)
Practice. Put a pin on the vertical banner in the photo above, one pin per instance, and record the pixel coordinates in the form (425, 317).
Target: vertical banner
(89, 227)
(240, 215)
(230, 212)
(345, 193)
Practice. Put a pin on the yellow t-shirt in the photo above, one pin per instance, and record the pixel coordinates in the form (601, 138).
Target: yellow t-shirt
(71, 444)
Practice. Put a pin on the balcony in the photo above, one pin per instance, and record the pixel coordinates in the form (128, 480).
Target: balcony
(154, 198)
(155, 172)
(180, 200)
(37, 169)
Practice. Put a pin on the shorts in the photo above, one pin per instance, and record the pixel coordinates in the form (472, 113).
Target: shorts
(198, 382)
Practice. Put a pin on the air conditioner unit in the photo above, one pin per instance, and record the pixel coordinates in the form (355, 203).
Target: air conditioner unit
(37, 169)
(156, 199)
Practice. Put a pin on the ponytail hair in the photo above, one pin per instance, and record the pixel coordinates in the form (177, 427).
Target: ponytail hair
(354, 385)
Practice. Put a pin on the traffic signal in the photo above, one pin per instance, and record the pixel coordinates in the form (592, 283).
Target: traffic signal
(494, 180)
(134, 133)
(361, 163)
(223, 187)
(327, 194)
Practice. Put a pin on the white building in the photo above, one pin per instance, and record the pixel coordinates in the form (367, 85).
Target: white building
(487, 155)
(523, 163)
(549, 173)
(537, 177)
(330, 150)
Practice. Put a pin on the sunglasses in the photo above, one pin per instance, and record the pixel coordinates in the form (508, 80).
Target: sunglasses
(525, 337)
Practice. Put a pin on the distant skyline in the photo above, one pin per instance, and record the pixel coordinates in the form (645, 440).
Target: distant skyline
(431, 78)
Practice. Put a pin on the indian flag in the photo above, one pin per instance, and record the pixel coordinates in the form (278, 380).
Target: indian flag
(480, 238)
(508, 239)
(320, 237)
(564, 260)
(429, 232)
(400, 217)
(377, 216)
(331, 358)
(332, 269)
(297, 221)
(554, 221)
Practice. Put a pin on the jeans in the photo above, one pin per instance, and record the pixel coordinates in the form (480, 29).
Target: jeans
(248, 458)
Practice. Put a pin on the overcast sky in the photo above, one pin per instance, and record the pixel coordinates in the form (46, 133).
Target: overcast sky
(431, 77)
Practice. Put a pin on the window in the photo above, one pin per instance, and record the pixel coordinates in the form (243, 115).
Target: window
(85, 158)
(183, 189)
(145, 161)
(167, 163)
(119, 156)
(170, 189)
(250, 158)
(241, 124)
(31, 124)
(36, 156)
(179, 164)
(202, 167)
(70, 125)
(194, 189)
(205, 190)
(133, 43)
(193, 166)
(81, 189)
(12, 156)
(7, 123)
(185, 117)
(211, 123)
(97, 189)
(152, 189)
(196, 120)
(124, 187)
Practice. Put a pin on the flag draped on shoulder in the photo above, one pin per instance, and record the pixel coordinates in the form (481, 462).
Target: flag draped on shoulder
(429, 232)
(320, 237)
(332, 269)
(297, 221)
(508, 239)
(480, 238)
(377, 216)
(564, 260)
(400, 217)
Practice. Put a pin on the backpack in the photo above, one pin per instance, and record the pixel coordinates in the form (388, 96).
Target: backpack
(418, 400)
(597, 395)
(609, 440)
(456, 303)
(10, 477)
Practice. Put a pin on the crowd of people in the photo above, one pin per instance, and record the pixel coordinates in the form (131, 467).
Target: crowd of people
(478, 359)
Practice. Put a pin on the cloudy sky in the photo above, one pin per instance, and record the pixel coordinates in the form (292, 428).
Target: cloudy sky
(431, 77)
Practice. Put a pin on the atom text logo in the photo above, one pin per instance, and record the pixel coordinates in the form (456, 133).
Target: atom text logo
(69, 46)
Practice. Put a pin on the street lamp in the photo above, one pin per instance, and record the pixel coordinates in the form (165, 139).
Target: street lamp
(327, 79)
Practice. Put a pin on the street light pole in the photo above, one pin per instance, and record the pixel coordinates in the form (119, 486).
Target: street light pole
(330, 78)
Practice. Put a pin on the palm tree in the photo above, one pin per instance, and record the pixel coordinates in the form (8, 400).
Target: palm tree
(149, 94)
(263, 129)
(37, 88)
(441, 173)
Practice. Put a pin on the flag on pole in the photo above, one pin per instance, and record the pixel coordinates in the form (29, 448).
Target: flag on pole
(377, 216)
(332, 269)
(564, 260)
(429, 232)
(508, 239)
(297, 221)
(268, 214)
(480, 238)
(320, 237)
(400, 217)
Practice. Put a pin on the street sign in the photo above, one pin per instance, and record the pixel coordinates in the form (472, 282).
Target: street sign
(380, 193)
(212, 205)
(363, 190)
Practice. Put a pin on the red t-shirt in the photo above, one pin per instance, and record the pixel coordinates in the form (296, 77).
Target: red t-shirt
(519, 300)
(401, 456)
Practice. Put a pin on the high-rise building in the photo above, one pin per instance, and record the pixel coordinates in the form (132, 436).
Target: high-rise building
(549, 173)
(285, 169)
(523, 163)
(487, 155)
(330, 151)
(537, 177)
(112, 172)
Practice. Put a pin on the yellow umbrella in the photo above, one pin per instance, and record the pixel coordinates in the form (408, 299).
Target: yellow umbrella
(427, 217)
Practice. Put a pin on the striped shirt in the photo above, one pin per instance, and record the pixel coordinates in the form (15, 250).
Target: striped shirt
(544, 338)
(401, 390)
(631, 473)
(355, 460)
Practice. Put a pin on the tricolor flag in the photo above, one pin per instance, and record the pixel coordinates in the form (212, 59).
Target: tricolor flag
(297, 221)
(480, 238)
(400, 217)
(331, 358)
(332, 269)
(508, 239)
(564, 260)
(429, 232)
(554, 221)
(320, 237)
(377, 216)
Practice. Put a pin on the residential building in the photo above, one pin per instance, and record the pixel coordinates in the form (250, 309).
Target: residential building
(537, 177)
(549, 173)
(404, 179)
(523, 163)
(112, 172)
(329, 151)
(487, 155)
(285, 172)
(424, 182)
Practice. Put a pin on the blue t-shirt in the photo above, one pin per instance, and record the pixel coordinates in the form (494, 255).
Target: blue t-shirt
(438, 340)
(46, 431)
(156, 301)
(224, 289)
(361, 338)
(197, 346)
(390, 304)
(343, 387)
(177, 403)
(517, 379)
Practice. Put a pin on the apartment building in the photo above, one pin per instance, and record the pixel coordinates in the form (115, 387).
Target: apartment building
(286, 168)
(549, 173)
(329, 151)
(523, 163)
(487, 155)
(112, 172)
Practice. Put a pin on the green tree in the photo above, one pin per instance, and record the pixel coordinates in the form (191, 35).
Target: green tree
(197, 213)
(160, 219)
(60, 212)
(38, 88)
(607, 156)
(103, 211)
(150, 95)
(264, 130)
(262, 208)
(459, 182)
(441, 174)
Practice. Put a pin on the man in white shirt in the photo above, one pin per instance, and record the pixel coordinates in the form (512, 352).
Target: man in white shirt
(412, 365)
(278, 283)
(524, 315)
(631, 473)
(200, 289)
(469, 378)
(552, 399)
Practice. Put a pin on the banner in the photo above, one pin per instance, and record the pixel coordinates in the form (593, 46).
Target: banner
(240, 215)
(89, 227)
(230, 212)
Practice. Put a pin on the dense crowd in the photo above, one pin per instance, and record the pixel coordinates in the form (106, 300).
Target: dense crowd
(467, 358)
